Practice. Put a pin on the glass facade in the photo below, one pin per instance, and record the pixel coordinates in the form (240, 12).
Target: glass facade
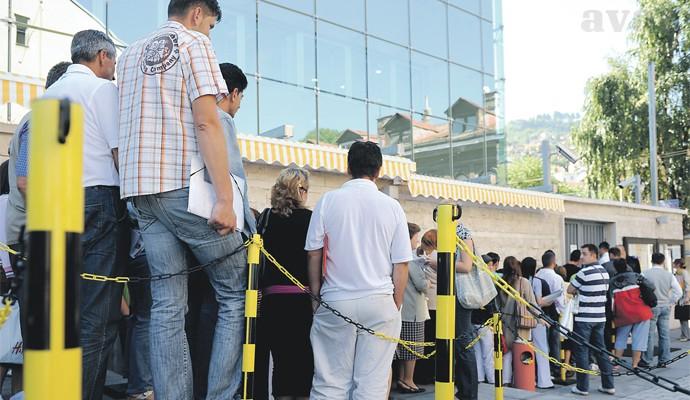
(423, 78)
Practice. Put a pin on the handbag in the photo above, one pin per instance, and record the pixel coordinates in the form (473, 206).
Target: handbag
(525, 320)
(11, 343)
(475, 289)
(682, 313)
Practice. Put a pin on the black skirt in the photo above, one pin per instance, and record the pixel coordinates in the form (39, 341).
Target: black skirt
(682, 313)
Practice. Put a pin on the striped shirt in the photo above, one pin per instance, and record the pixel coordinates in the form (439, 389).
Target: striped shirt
(159, 77)
(592, 284)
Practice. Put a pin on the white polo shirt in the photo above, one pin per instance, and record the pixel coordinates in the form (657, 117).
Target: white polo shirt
(99, 100)
(367, 233)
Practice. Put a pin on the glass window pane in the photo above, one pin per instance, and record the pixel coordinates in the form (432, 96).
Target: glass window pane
(132, 26)
(468, 149)
(234, 38)
(428, 27)
(389, 74)
(286, 45)
(342, 60)
(245, 119)
(469, 5)
(431, 138)
(392, 128)
(347, 13)
(341, 120)
(305, 6)
(465, 40)
(488, 9)
(465, 87)
(388, 19)
(287, 111)
(488, 47)
(429, 85)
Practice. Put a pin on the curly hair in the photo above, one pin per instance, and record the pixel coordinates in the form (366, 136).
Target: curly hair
(285, 193)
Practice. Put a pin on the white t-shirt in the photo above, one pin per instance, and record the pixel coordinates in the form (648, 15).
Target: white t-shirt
(367, 233)
(99, 101)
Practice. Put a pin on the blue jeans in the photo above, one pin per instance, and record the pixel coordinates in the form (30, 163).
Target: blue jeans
(104, 245)
(139, 379)
(466, 375)
(659, 324)
(594, 333)
(169, 232)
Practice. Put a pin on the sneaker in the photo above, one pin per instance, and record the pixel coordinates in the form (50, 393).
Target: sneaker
(683, 339)
(148, 395)
(575, 390)
(594, 367)
(611, 391)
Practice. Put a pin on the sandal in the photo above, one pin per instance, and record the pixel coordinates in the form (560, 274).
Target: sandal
(407, 389)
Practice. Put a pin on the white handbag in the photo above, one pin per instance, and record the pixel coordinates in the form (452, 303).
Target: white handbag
(474, 289)
(11, 343)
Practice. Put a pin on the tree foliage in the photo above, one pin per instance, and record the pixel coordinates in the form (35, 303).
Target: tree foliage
(326, 135)
(613, 135)
(525, 172)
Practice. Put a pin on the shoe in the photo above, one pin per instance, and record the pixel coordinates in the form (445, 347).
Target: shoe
(407, 389)
(148, 395)
(643, 364)
(611, 391)
(575, 390)
(683, 339)
(545, 388)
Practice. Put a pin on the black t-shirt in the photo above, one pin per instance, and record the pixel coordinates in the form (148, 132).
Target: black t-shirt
(284, 238)
(570, 269)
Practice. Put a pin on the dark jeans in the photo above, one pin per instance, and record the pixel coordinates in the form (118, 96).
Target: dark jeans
(594, 333)
(465, 362)
(200, 326)
(554, 338)
(104, 242)
(139, 379)
(425, 370)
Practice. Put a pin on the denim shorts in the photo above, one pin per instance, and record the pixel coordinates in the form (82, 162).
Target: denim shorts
(640, 333)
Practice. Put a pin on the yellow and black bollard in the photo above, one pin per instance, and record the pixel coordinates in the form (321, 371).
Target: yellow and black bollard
(447, 216)
(250, 312)
(498, 357)
(55, 220)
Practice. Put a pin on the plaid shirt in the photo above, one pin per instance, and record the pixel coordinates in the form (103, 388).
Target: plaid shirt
(159, 77)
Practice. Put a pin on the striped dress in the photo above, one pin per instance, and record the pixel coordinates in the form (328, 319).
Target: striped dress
(592, 284)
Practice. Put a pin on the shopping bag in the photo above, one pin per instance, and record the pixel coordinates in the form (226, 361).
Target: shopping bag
(567, 315)
(11, 343)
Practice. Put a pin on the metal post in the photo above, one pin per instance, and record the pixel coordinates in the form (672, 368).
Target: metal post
(498, 358)
(447, 217)
(546, 164)
(652, 136)
(638, 189)
(250, 312)
(55, 222)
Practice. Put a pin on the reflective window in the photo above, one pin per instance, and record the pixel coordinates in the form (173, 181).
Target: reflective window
(388, 19)
(469, 161)
(465, 86)
(469, 5)
(428, 27)
(131, 26)
(348, 13)
(393, 130)
(306, 6)
(234, 38)
(342, 60)
(286, 45)
(429, 85)
(431, 138)
(287, 111)
(488, 47)
(341, 118)
(245, 119)
(488, 9)
(389, 74)
(465, 38)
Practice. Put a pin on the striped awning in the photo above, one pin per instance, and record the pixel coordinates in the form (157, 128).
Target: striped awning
(286, 152)
(19, 89)
(438, 188)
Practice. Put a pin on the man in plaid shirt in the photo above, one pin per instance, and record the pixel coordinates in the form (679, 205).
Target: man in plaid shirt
(169, 84)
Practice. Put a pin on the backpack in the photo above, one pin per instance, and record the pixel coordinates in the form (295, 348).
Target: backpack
(627, 303)
(647, 291)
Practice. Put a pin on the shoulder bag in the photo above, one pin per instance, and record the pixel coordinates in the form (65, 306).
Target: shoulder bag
(474, 289)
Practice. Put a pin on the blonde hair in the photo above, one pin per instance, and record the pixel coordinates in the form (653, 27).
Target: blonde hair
(285, 193)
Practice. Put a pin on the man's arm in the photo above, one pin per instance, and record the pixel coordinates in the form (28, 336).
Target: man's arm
(400, 277)
(676, 291)
(314, 268)
(115, 155)
(214, 153)
(572, 289)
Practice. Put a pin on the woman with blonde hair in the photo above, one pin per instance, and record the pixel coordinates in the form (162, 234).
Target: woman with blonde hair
(286, 314)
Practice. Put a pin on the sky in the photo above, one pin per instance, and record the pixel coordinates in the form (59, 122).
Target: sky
(552, 47)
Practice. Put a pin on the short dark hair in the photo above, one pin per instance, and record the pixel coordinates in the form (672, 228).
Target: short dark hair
(234, 77)
(56, 72)
(620, 265)
(590, 247)
(495, 258)
(413, 229)
(177, 8)
(364, 159)
(575, 255)
(658, 258)
(548, 258)
(604, 245)
(615, 252)
(529, 267)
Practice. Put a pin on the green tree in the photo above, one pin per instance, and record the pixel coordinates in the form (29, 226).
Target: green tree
(326, 135)
(613, 136)
(525, 172)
